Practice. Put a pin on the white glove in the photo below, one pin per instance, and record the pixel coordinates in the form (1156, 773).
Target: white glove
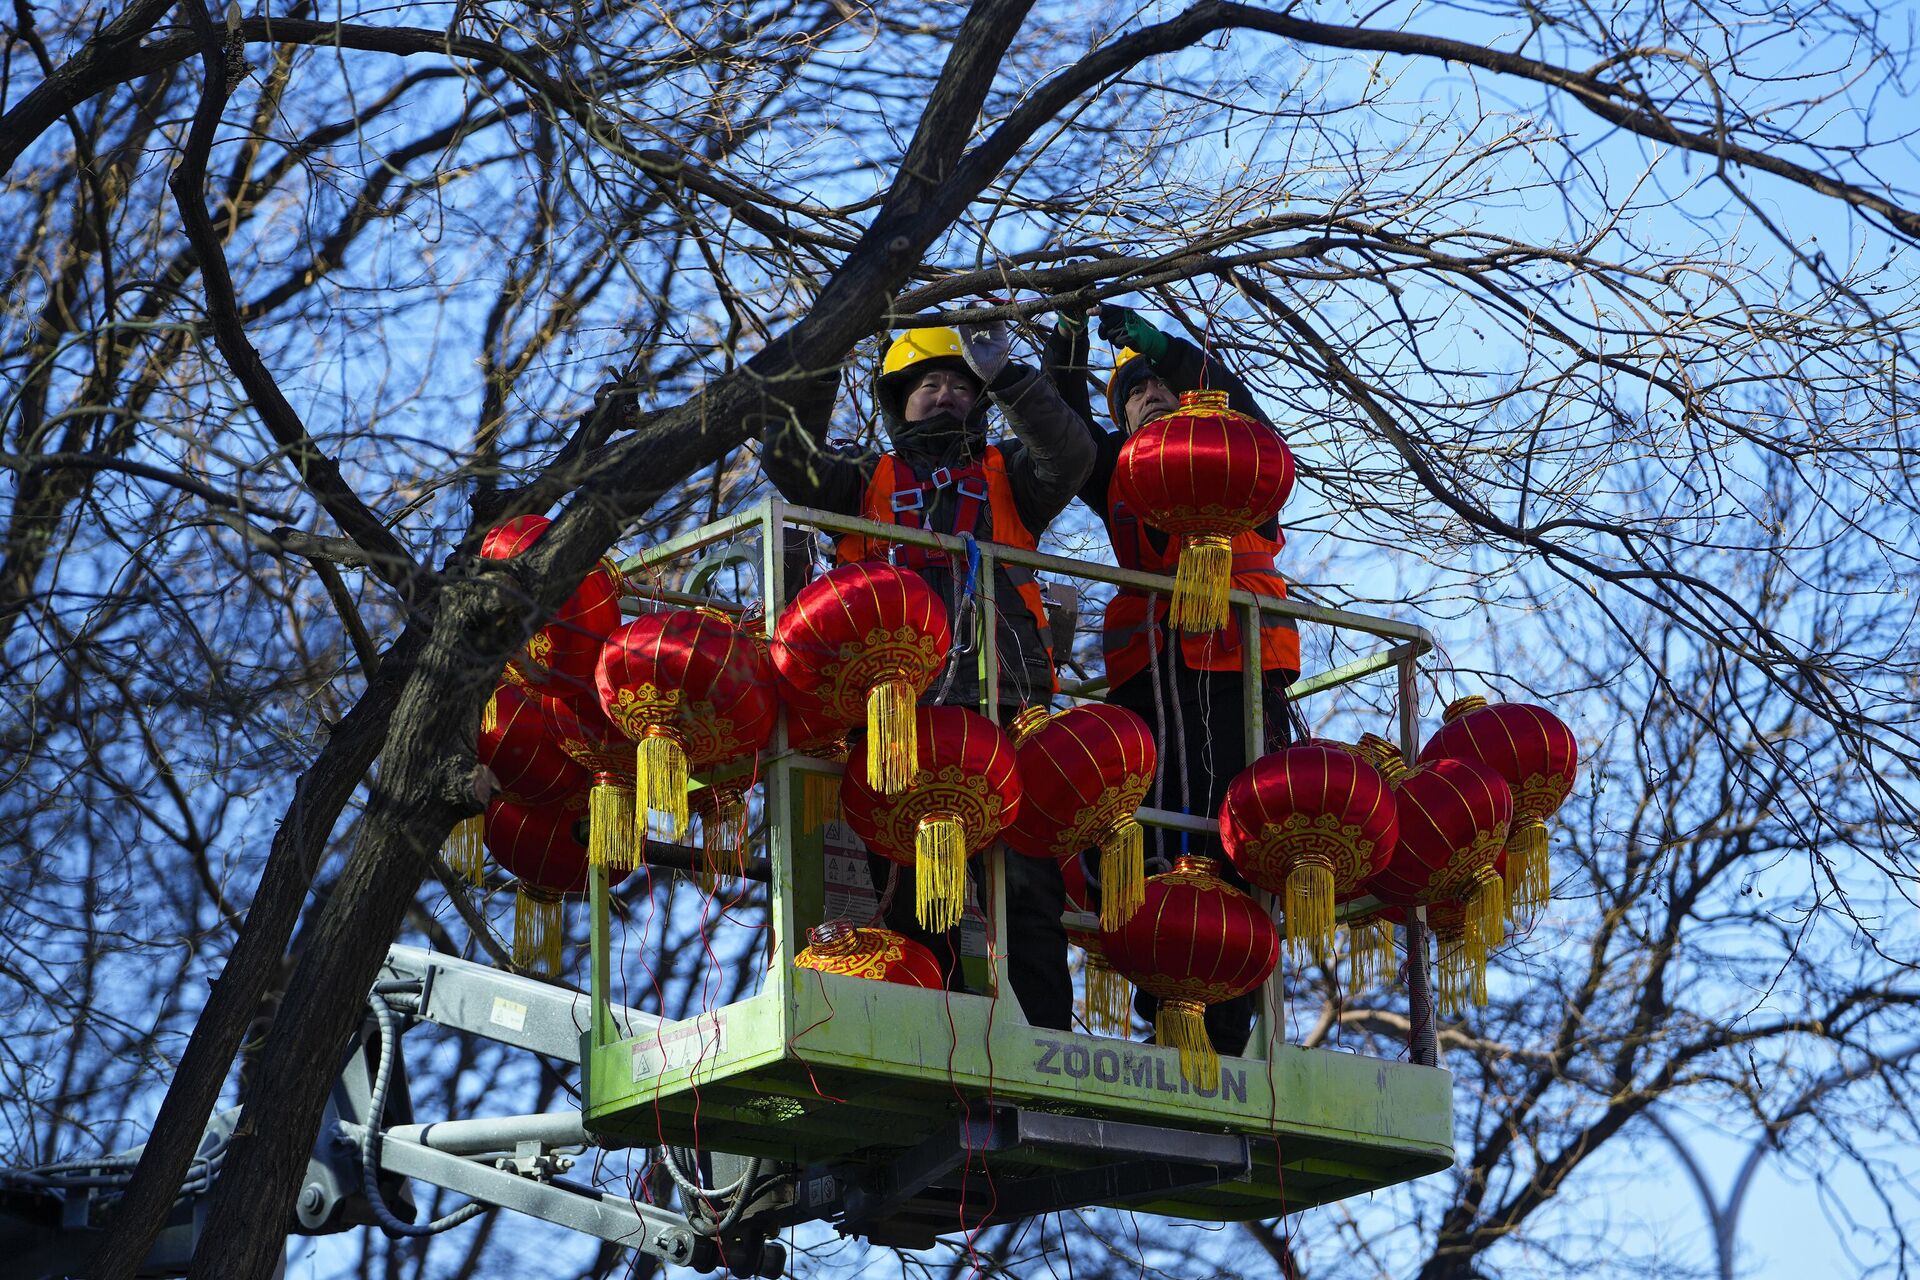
(986, 349)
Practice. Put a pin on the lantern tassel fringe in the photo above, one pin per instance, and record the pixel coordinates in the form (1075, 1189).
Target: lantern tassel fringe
(660, 782)
(610, 827)
(893, 748)
(1201, 579)
(720, 848)
(819, 801)
(539, 929)
(1310, 910)
(467, 849)
(939, 873)
(1486, 916)
(1529, 877)
(1462, 979)
(1370, 956)
(1182, 1025)
(1106, 997)
(490, 714)
(1123, 875)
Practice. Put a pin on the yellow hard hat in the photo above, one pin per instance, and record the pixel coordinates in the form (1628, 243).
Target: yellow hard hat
(913, 353)
(915, 345)
(1129, 367)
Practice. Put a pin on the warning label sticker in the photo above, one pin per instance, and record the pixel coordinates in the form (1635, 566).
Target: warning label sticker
(679, 1046)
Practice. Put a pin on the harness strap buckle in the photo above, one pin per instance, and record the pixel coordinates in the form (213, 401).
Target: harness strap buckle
(941, 477)
(907, 500)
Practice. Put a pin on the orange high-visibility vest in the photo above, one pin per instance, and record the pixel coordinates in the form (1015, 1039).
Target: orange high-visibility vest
(895, 495)
(1123, 635)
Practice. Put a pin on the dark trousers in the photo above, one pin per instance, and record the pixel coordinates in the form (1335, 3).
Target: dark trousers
(1211, 707)
(1037, 943)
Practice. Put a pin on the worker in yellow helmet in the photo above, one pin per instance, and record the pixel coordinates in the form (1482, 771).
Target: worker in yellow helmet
(1188, 687)
(935, 389)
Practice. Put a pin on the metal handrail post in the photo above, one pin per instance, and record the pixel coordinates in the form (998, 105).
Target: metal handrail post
(1422, 1033)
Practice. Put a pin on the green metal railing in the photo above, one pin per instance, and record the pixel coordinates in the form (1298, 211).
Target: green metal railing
(1404, 645)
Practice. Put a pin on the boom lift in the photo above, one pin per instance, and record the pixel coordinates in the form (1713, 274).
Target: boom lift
(893, 1113)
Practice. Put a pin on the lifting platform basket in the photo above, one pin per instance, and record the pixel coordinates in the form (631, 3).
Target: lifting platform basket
(915, 1112)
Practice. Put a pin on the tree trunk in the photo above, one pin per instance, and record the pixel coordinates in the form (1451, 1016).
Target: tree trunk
(320, 795)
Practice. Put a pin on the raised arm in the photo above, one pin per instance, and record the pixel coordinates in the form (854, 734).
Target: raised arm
(793, 432)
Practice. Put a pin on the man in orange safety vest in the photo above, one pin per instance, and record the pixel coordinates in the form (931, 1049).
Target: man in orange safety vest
(1187, 686)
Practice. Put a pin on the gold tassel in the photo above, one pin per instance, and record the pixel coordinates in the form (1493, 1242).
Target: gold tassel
(1123, 875)
(490, 716)
(1486, 914)
(939, 872)
(467, 849)
(1456, 973)
(660, 780)
(1529, 877)
(893, 748)
(1182, 1024)
(819, 801)
(1201, 579)
(610, 826)
(1310, 909)
(1370, 954)
(539, 927)
(720, 846)
(1106, 998)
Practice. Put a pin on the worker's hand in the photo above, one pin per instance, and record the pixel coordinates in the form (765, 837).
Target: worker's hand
(1113, 323)
(986, 349)
(1125, 327)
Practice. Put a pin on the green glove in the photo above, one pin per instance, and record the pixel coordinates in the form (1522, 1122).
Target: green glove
(1123, 326)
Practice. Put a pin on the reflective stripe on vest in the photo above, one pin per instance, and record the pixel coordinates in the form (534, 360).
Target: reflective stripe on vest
(893, 476)
(1123, 634)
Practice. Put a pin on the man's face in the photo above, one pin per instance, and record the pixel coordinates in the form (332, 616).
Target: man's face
(1148, 400)
(942, 391)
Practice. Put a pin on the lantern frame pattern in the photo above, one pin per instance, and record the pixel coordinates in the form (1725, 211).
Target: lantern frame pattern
(965, 789)
(1313, 823)
(878, 955)
(1197, 941)
(692, 692)
(1084, 773)
(597, 745)
(1537, 754)
(864, 641)
(1206, 473)
(537, 845)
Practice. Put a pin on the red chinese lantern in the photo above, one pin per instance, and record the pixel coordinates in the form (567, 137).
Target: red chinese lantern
(878, 954)
(965, 789)
(864, 640)
(693, 692)
(559, 658)
(1537, 755)
(1454, 816)
(1105, 997)
(1083, 773)
(1207, 474)
(539, 846)
(1312, 822)
(1197, 941)
(528, 767)
(596, 744)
